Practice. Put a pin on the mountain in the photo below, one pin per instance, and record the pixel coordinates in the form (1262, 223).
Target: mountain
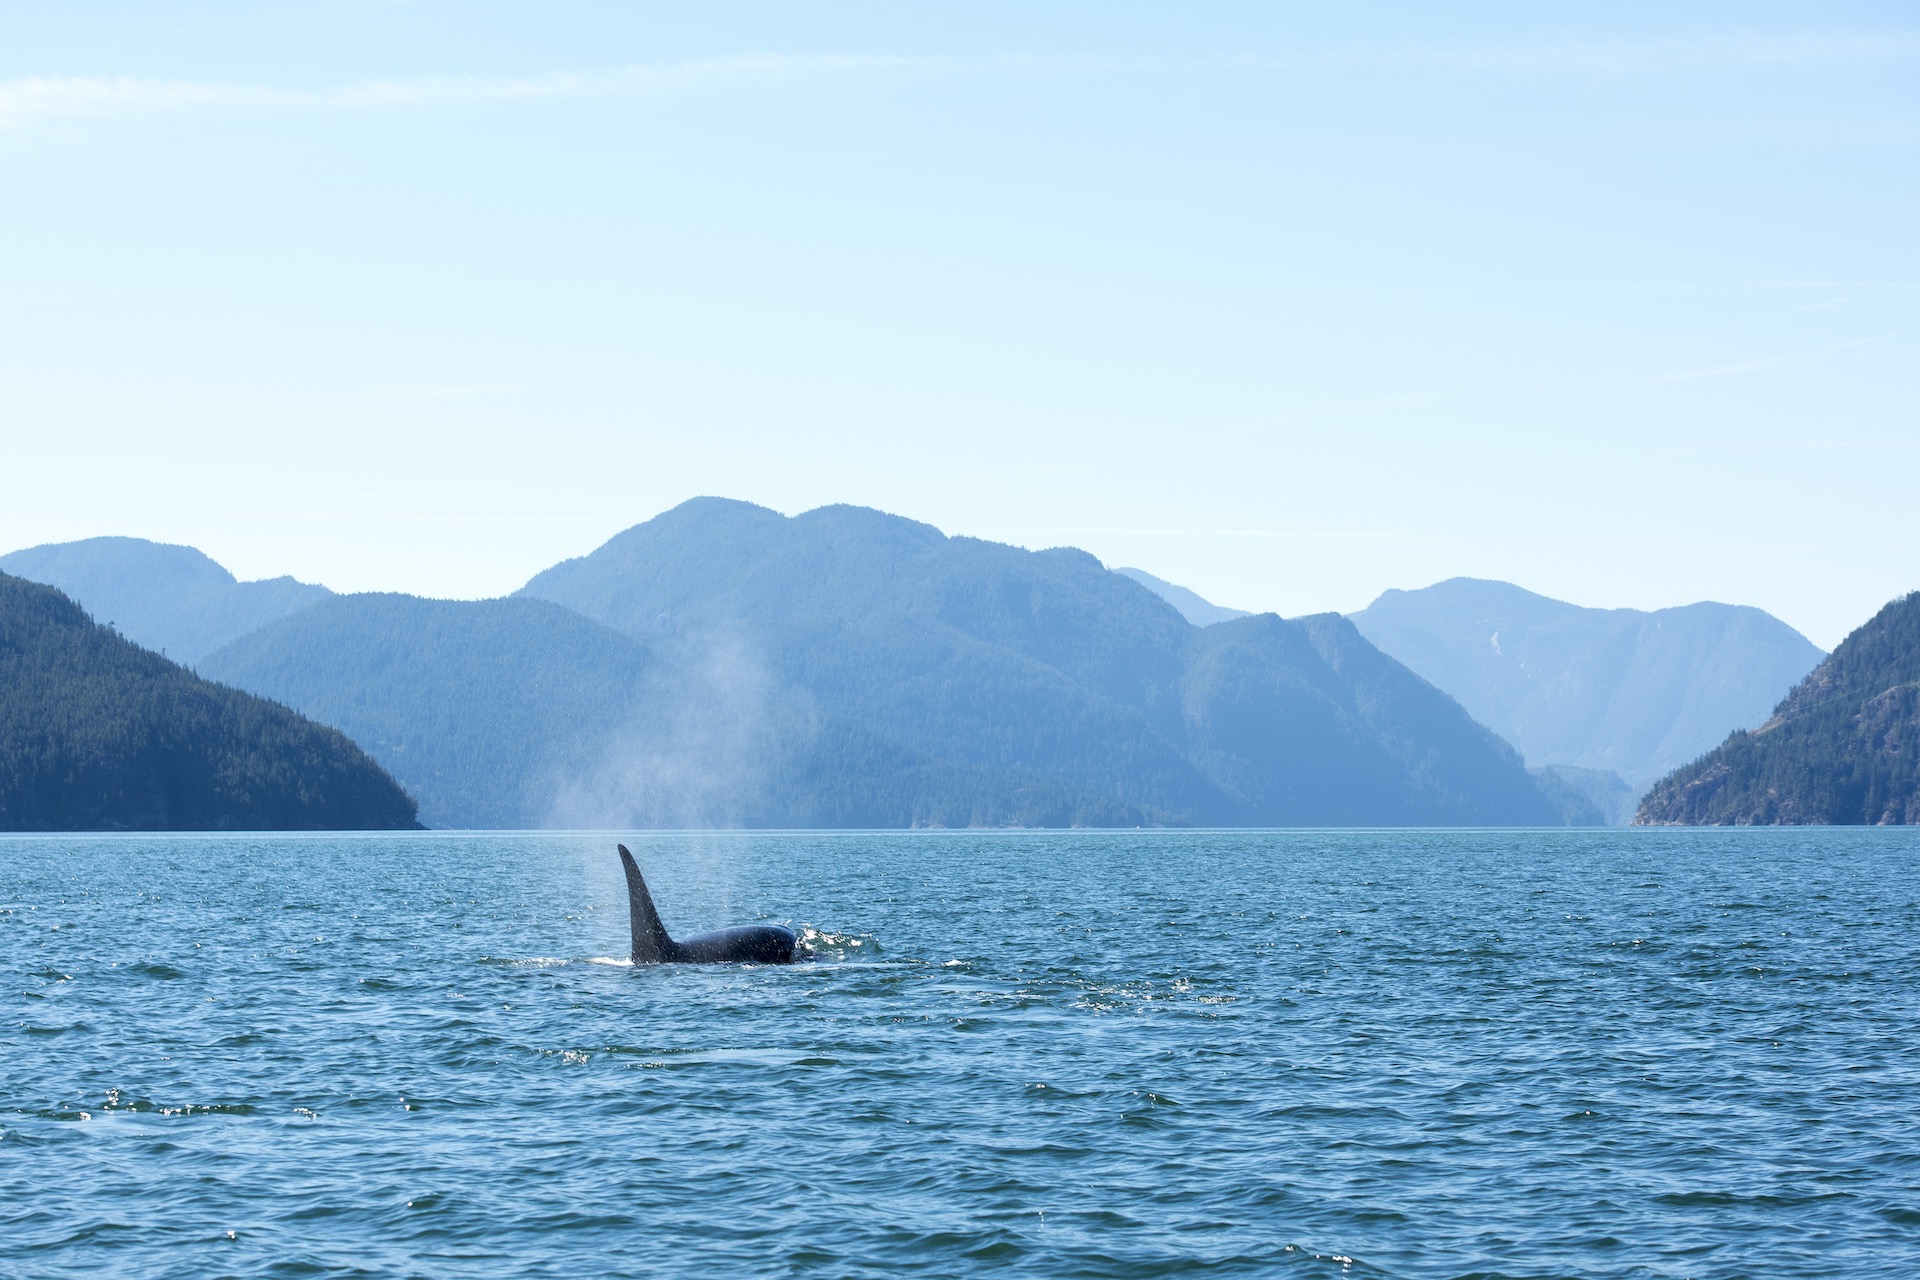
(1604, 689)
(519, 713)
(97, 733)
(1587, 797)
(173, 600)
(1843, 748)
(958, 653)
(475, 706)
(1303, 723)
(724, 665)
(1192, 606)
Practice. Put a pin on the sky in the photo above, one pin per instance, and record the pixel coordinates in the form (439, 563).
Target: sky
(1289, 304)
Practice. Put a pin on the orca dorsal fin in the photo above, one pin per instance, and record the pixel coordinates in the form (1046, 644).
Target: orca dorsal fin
(651, 945)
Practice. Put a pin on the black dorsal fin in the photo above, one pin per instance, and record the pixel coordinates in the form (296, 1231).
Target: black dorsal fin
(651, 945)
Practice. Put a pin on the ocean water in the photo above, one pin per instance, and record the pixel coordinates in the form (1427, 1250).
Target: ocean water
(1422, 1054)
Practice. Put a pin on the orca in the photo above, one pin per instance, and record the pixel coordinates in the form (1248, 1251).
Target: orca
(747, 944)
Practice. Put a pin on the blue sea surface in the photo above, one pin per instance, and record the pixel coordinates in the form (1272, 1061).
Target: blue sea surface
(1381, 1053)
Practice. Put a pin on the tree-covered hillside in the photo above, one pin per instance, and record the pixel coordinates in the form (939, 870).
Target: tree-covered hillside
(519, 713)
(173, 600)
(989, 657)
(477, 707)
(97, 733)
(1303, 723)
(724, 665)
(1842, 748)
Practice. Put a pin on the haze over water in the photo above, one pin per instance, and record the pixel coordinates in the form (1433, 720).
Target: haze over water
(1410, 1053)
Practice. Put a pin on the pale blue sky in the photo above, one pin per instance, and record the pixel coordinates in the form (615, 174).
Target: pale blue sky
(1620, 303)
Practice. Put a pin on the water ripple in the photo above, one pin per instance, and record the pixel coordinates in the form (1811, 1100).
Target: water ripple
(1515, 1054)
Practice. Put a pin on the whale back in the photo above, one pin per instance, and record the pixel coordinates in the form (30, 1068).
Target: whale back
(651, 945)
(744, 944)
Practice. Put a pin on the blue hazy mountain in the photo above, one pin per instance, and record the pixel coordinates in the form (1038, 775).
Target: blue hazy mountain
(982, 656)
(1843, 748)
(475, 706)
(97, 733)
(1622, 690)
(521, 713)
(1195, 608)
(723, 665)
(1588, 797)
(173, 600)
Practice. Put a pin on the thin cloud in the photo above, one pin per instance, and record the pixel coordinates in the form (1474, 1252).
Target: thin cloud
(36, 99)
(1759, 366)
(1896, 285)
(1747, 49)
(314, 13)
(1332, 534)
(1796, 446)
(1719, 371)
(41, 98)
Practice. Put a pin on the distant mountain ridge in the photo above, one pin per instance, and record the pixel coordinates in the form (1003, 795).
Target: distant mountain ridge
(986, 656)
(1634, 692)
(1195, 608)
(726, 665)
(520, 713)
(1843, 748)
(97, 733)
(174, 600)
(475, 706)
(1590, 797)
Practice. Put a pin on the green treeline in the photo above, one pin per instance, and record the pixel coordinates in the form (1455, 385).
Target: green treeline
(1842, 749)
(97, 733)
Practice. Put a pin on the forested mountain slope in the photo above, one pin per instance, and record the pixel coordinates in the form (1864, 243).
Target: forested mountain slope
(97, 733)
(724, 665)
(520, 713)
(985, 656)
(1842, 748)
(476, 706)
